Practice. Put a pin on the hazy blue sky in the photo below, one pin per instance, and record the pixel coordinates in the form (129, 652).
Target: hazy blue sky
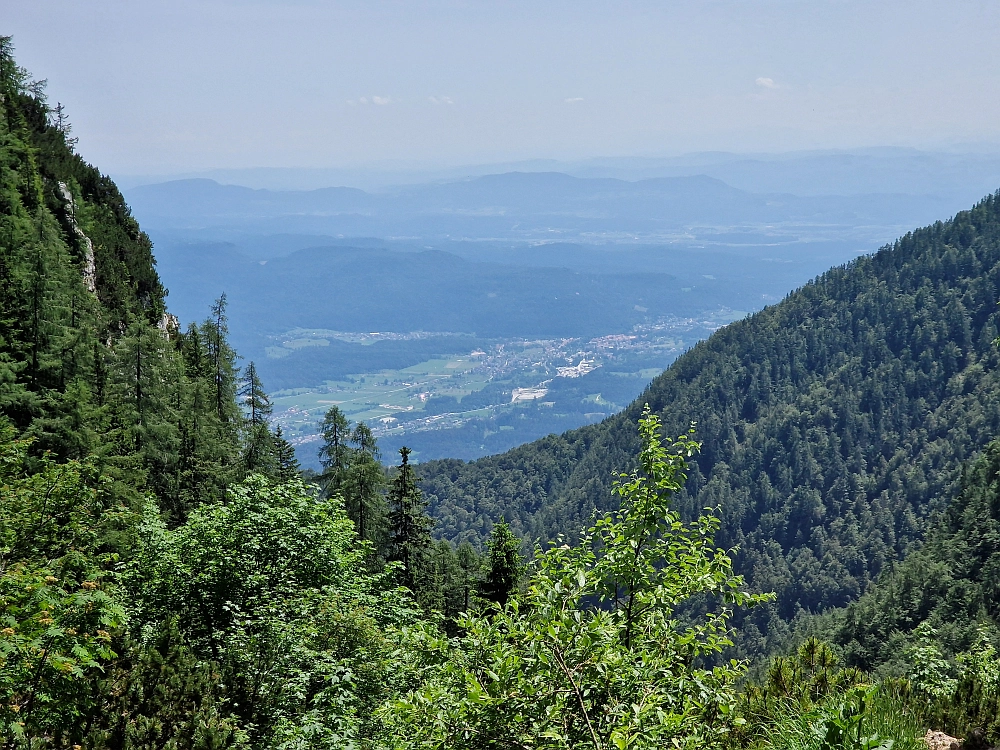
(180, 85)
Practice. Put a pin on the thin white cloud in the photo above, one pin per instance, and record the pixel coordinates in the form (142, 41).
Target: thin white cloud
(440, 100)
(766, 83)
(381, 100)
(573, 99)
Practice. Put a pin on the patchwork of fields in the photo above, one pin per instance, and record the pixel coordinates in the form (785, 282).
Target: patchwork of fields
(377, 398)
(491, 394)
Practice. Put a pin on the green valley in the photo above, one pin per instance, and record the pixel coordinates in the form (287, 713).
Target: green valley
(492, 394)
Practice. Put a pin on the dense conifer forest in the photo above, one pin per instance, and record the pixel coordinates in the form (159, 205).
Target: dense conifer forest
(170, 578)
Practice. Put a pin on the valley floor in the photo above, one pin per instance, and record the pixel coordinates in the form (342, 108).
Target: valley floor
(488, 395)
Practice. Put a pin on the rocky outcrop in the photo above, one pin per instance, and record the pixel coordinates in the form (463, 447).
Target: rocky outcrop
(169, 324)
(89, 267)
(940, 741)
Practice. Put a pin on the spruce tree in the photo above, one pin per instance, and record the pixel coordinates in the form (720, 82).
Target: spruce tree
(409, 527)
(258, 453)
(334, 454)
(503, 566)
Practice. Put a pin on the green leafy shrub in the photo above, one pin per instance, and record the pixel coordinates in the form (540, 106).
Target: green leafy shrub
(61, 609)
(273, 586)
(592, 653)
(969, 696)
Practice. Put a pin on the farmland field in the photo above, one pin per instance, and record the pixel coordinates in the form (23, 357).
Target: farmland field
(374, 397)
(495, 393)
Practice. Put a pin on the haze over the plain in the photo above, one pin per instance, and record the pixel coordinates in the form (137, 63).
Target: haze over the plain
(168, 88)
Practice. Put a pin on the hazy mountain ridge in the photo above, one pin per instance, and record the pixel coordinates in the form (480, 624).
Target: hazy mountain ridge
(357, 289)
(487, 205)
(965, 173)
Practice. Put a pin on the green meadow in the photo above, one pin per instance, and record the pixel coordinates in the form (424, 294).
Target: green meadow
(374, 397)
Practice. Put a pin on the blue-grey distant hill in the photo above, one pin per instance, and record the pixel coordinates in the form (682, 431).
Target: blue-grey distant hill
(520, 253)
(516, 205)
(380, 289)
(963, 174)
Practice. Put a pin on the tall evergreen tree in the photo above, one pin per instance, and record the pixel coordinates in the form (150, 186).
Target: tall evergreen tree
(409, 526)
(215, 331)
(258, 452)
(470, 567)
(352, 469)
(288, 467)
(363, 486)
(503, 566)
(334, 454)
(253, 397)
(144, 420)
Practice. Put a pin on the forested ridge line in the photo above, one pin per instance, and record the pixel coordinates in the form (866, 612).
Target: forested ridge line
(831, 424)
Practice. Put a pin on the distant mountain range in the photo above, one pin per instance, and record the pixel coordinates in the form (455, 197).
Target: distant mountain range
(527, 206)
(964, 173)
(526, 253)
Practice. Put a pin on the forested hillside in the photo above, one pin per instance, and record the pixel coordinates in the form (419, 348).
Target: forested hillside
(831, 424)
(945, 591)
(931, 619)
(91, 364)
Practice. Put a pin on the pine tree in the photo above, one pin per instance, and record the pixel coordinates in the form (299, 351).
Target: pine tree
(503, 566)
(334, 454)
(409, 526)
(258, 453)
(165, 696)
